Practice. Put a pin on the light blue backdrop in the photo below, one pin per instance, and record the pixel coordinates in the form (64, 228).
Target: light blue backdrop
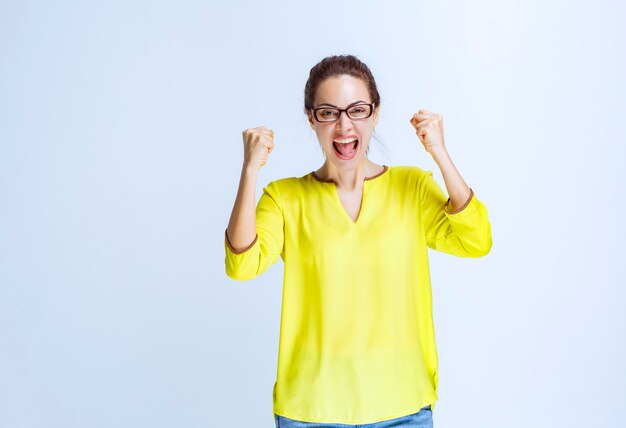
(120, 154)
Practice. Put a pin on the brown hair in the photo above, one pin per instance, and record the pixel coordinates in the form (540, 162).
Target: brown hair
(337, 65)
(334, 66)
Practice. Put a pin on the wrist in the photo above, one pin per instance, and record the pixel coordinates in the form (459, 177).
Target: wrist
(440, 155)
(249, 170)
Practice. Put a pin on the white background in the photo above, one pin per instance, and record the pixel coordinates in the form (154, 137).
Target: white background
(120, 155)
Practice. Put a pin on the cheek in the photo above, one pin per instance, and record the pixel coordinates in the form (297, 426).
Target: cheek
(366, 132)
(324, 135)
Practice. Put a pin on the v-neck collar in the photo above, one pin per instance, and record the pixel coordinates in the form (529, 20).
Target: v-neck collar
(363, 194)
(385, 168)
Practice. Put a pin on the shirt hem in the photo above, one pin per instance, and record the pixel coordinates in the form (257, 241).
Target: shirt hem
(461, 208)
(237, 252)
(430, 401)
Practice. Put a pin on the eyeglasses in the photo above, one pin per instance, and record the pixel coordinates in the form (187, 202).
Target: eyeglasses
(355, 112)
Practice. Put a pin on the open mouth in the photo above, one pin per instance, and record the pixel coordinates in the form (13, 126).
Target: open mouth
(347, 149)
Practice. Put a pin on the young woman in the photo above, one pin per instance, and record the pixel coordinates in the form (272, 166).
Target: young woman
(357, 342)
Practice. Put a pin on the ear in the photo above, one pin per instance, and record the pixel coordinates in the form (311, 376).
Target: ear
(311, 119)
(376, 109)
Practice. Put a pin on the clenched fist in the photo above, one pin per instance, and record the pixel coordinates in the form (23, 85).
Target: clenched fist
(429, 129)
(257, 144)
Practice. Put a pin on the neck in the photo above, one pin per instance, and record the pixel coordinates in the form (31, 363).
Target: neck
(348, 179)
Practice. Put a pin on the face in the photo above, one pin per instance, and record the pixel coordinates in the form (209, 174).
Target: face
(342, 91)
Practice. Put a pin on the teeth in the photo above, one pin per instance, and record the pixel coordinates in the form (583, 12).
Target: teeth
(344, 140)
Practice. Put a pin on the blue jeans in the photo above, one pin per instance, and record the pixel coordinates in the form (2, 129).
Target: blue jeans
(421, 419)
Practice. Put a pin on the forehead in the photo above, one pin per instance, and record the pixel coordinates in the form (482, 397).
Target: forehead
(341, 91)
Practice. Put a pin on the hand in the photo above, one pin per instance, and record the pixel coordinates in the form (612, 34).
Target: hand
(257, 143)
(429, 129)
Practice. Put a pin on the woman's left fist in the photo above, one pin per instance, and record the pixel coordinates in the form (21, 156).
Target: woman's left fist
(429, 129)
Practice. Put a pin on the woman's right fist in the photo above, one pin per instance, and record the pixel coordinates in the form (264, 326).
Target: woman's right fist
(257, 144)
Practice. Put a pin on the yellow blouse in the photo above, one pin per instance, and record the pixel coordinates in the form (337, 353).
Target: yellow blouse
(357, 341)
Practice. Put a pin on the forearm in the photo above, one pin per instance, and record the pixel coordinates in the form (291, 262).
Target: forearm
(458, 190)
(241, 230)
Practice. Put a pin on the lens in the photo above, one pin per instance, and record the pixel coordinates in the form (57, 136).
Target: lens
(327, 114)
(360, 111)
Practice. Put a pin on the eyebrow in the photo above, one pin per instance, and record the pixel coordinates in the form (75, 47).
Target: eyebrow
(331, 105)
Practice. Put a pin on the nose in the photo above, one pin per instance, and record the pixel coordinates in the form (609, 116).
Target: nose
(344, 121)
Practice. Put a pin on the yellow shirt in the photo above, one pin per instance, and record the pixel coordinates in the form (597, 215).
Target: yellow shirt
(357, 341)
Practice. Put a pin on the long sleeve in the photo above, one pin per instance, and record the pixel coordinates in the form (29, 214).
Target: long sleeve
(268, 243)
(465, 232)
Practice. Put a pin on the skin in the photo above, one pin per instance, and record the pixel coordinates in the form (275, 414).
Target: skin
(348, 175)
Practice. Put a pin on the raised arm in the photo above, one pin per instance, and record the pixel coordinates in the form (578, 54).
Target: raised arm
(460, 224)
(254, 237)
(241, 230)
